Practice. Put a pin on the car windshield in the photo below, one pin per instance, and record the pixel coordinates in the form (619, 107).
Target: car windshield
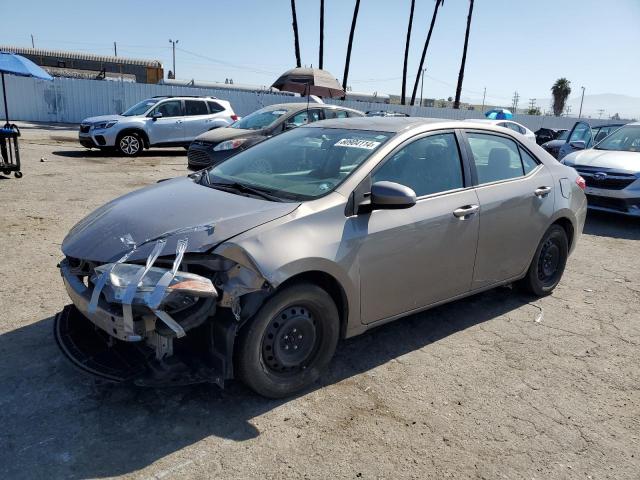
(625, 139)
(301, 164)
(140, 108)
(260, 119)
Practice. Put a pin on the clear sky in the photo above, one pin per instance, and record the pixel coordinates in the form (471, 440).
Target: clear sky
(514, 44)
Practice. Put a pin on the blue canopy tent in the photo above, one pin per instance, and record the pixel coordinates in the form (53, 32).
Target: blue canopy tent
(13, 64)
(499, 114)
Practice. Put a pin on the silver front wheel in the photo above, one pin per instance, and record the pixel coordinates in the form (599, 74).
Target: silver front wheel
(130, 144)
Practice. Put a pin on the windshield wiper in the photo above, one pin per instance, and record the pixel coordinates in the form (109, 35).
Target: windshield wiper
(242, 188)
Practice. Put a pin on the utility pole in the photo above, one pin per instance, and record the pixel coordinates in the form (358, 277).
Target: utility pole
(581, 100)
(173, 43)
(422, 85)
(600, 112)
(321, 52)
(532, 103)
(33, 45)
(484, 95)
(567, 110)
(516, 97)
(115, 49)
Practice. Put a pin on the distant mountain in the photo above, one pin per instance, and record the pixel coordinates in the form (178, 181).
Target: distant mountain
(624, 105)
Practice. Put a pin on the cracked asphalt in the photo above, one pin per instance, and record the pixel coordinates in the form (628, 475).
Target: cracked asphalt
(498, 385)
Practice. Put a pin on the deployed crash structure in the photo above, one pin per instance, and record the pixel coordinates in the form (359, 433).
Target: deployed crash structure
(148, 309)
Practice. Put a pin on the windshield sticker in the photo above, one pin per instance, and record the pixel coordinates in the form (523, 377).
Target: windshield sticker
(278, 112)
(355, 143)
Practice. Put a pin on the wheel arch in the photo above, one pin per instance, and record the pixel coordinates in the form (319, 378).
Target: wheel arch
(329, 284)
(568, 227)
(143, 135)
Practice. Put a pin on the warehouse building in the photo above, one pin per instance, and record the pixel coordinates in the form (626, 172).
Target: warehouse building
(88, 66)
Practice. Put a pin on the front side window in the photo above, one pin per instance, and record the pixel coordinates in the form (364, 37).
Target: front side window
(172, 108)
(496, 158)
(427, 165)
(626, 139)
(301, 164)
(195, 107)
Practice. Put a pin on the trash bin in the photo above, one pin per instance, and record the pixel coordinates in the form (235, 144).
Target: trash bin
(10, 150)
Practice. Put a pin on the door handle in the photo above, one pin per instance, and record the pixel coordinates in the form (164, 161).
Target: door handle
(464, 212)
(542, 191)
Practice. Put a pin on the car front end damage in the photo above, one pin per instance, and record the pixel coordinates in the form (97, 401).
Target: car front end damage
(164, 320)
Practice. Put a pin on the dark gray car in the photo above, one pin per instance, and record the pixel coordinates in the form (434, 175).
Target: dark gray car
(255, 268)
(214, 146)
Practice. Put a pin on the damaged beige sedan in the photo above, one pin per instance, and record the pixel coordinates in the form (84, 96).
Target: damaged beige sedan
(256, 268)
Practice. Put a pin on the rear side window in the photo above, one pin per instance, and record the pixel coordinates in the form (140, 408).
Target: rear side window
(528, 162)
(331, 113)
(215, 107)
(428, 165)
(496, 158)
(195, 107)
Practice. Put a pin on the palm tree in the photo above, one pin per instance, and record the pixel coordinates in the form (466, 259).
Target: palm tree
(424, 50)
(295, 33)
(456, 103)
(560, 91)
(406, 54)
(321, 52)
(349, 45)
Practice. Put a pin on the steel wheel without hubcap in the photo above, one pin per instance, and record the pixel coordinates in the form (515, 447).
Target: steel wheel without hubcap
(289, 341)
(129, 145)
(548, 263)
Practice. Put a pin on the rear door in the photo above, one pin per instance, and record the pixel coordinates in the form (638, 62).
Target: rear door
(516, 196)
(170, 127)
(197, 118)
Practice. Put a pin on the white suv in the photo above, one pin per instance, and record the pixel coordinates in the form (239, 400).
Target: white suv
(156, 122)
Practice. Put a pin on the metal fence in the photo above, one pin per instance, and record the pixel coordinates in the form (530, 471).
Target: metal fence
(67, 100)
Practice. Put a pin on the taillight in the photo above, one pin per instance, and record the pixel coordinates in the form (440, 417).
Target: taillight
(581, 183)
(234, 117)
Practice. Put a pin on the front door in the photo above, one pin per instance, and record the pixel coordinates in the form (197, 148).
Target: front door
(581, 131)
(516, 194)
(169, 128)
(425, 254)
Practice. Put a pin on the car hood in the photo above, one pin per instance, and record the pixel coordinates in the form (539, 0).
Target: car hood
(218, 135)
(174, 209)
(103, 118)
(627, 161)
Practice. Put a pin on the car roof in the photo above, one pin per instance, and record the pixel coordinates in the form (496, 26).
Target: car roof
(382, 124)
(299, 106)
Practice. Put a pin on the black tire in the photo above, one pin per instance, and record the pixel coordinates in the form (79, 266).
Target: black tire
(17, 174)
(129, 144)
(548, 263)
(287, 345)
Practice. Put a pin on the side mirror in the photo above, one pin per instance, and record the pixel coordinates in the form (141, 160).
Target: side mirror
(391, 195)
(156, 116)
(578, 144)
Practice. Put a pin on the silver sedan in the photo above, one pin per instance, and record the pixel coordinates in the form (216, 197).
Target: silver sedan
(255, 268)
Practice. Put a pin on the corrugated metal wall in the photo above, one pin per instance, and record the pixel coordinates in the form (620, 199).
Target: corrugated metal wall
(67, 100)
